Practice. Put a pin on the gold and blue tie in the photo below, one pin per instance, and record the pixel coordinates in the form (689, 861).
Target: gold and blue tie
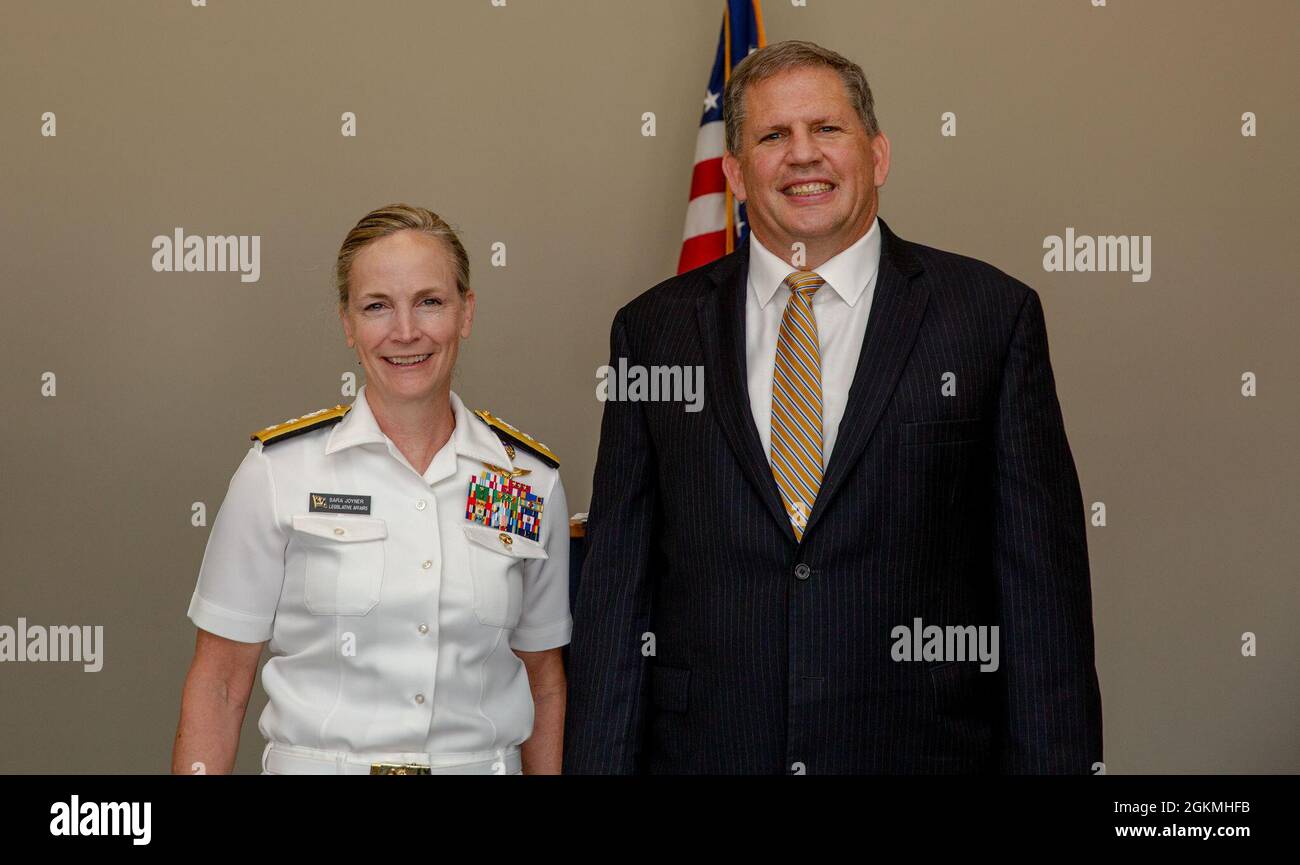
(797, 402)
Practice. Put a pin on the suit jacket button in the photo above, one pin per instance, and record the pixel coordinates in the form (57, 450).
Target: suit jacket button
(802, 571)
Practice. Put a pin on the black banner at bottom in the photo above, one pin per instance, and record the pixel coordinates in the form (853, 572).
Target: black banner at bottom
(306, 814)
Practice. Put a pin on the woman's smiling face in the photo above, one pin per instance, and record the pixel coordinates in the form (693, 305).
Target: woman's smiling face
(405, 316)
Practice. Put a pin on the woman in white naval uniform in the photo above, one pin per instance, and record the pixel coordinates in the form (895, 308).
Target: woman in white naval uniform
(407, 559)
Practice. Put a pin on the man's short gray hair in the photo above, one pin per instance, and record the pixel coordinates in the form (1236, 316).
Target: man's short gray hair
(781, 57)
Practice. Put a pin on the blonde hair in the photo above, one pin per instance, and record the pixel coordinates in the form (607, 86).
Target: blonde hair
(388, 220)
(780, 57)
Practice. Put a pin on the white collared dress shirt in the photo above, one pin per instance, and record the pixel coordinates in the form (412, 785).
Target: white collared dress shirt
(392, 630)
(841, 308)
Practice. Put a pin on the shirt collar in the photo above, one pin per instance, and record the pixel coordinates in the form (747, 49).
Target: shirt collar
(358, 427)
(471, 438)
(475, 439)
(848, 273)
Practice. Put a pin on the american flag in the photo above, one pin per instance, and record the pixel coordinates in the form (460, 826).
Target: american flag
(714, 224)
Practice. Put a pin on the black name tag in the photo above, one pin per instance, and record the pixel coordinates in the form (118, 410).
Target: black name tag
(338, 503)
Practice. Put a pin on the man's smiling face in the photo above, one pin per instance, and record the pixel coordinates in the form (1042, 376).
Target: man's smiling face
(807, 166)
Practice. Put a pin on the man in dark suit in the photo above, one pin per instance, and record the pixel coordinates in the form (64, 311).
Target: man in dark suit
(881, 458)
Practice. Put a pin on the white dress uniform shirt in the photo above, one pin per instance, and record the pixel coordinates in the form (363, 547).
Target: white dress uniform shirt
(841, 308)
(389, 631)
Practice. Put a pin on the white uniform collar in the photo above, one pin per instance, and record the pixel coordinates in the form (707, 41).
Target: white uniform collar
(358, 427)
(848, 273)
(475, 439)
(471, 438)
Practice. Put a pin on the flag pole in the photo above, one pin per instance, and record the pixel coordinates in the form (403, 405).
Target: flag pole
(726, 76)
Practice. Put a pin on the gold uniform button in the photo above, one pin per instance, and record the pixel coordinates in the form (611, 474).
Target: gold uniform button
(419, 698)
(338, 531)
(426, 564)
(421, 505)
(423, 629)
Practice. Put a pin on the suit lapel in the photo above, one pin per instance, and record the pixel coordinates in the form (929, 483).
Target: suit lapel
(721, 315)
(896, 311)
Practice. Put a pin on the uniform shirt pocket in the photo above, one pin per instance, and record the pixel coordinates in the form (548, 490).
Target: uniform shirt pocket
(343, 567)
(496, 561)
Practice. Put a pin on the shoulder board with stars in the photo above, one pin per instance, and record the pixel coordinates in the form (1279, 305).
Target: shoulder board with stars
(299, 425)
(512, 436)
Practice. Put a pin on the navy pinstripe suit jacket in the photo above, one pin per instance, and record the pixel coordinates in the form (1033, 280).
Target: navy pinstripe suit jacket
(956, 510)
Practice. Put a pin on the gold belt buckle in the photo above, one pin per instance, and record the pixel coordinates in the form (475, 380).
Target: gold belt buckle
(398, 769)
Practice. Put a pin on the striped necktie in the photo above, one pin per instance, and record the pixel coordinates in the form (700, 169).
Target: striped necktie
(797, 402)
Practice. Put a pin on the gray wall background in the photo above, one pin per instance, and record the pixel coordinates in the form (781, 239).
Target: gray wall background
(523, 125)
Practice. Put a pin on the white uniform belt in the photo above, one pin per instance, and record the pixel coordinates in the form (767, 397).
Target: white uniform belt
(280, 759)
